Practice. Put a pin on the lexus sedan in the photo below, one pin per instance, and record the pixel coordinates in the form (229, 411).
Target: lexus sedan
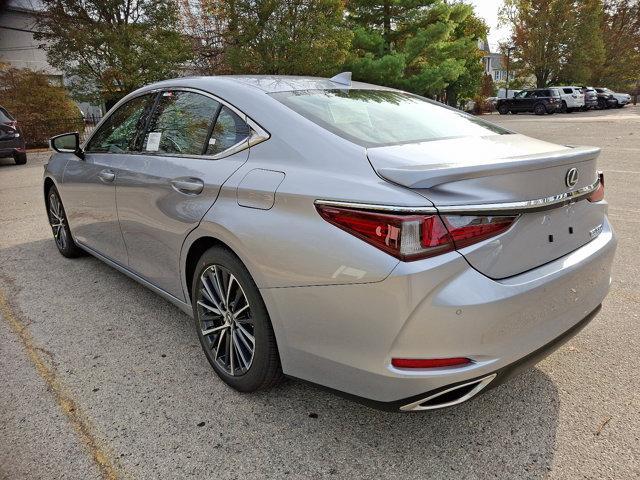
(359, 237)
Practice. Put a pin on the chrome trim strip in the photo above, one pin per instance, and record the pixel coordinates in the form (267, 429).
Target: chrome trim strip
(481, 384)
(258, 134)
(496, 208)
(376, 207)
(527, 205)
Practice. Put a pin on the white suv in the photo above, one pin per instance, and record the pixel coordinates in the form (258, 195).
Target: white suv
(572, 98)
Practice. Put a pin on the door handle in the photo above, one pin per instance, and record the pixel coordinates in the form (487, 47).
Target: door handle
(107, 175)
(188, 186)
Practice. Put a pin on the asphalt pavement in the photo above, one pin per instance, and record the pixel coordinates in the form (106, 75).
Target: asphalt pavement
(101, 378)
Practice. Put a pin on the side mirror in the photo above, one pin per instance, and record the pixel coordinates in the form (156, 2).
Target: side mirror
(67, 143)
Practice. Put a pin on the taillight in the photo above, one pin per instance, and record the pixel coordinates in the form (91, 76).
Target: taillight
(598, 193)
(414, 237)
(429, 362)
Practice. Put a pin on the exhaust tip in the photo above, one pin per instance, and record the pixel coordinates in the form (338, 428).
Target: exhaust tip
(450, 396)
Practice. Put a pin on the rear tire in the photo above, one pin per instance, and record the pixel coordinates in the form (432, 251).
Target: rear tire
(233, 324)
(20, 158)
(503, 109)
(564, 108)
(539, 109)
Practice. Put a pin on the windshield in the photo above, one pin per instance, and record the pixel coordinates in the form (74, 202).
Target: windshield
(374, 118)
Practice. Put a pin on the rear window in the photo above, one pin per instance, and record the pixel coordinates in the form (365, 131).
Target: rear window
(5, 116)
(567, 90)
(374, 118)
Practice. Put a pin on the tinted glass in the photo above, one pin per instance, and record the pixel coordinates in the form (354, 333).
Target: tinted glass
(567, 90)
(379, 117)
(120, 130)
(4, 116)
(229, 130)
(180, 124)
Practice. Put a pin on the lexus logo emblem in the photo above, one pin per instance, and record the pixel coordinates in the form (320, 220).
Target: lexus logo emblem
(572, 177)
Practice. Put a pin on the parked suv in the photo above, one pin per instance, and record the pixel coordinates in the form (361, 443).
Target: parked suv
(572, 99)
(11, 139)
(590, 98)
(538, 101)
(614, 99)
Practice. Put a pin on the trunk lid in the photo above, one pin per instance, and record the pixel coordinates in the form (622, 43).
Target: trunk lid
(458, 172)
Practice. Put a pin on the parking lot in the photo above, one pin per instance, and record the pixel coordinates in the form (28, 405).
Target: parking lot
(100, 378)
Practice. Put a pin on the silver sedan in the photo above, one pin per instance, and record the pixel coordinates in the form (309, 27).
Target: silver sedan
(358, 237)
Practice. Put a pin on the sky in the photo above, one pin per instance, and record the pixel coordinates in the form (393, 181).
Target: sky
(488, 9)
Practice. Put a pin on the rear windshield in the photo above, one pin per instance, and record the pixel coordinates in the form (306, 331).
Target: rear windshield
(374, 118)
(5, 116)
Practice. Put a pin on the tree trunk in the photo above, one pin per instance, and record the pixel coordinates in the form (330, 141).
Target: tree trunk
(387, 26)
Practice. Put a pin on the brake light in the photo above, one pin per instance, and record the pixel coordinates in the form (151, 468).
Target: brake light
(429, 362)
(598, 193)
(414, 237)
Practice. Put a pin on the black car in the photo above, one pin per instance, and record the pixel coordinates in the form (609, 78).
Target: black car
(538, 101)
(606, 98)
(11, 139)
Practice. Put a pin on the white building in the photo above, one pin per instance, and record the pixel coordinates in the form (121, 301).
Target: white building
(493, 62)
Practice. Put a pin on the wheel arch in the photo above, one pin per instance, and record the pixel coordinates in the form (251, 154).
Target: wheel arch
(47, 184)
(198, 242)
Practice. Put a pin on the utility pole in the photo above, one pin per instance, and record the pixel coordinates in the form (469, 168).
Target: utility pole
(506, 94)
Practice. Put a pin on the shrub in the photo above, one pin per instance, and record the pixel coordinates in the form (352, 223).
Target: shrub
(41, 108)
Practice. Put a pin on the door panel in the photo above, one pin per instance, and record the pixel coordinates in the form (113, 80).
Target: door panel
(164, 192)
(156, 216)
(89, 199)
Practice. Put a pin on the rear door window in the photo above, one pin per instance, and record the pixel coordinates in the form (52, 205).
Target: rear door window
(228, 131)
(181, 123)
(120, 131)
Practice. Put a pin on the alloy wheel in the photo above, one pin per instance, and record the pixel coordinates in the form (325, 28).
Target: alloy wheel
(57, 220)
(225, 321)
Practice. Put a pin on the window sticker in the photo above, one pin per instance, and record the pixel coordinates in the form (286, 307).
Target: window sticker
(153, 142)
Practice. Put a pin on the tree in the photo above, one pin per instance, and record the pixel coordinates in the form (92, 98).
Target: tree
(300, 37)
(110, 47)
(41, 108)
(585, 46)
(418, 45)
(541, 33)
(621, 36)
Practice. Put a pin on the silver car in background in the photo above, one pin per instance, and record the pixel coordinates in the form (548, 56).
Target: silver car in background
(369, 240)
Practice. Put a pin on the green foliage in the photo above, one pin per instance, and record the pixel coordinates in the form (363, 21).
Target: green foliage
(620, 68)
(541, 33)
(110, 47)
(423, 46)
(299, 37)
(585, 45)
(41, 108)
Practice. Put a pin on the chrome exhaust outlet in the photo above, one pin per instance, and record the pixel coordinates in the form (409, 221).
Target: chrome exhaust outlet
(466, 391)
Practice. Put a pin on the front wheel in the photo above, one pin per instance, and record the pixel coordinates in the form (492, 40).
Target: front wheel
(539, 109)
(233, 324)
(60, 225)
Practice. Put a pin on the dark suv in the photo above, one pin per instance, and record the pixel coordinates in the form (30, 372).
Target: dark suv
(538, 101)
(11, 139)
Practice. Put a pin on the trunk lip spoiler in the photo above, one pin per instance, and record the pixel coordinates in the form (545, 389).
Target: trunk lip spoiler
(505, 208)
(446, 173)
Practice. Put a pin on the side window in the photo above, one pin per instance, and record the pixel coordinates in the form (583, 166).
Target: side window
(568, 90)
(228, 131)
(120, 130)
(180, 124)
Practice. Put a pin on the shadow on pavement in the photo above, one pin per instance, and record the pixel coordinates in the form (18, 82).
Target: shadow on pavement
(135, 366)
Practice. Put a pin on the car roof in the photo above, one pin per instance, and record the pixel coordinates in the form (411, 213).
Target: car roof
(266, 83)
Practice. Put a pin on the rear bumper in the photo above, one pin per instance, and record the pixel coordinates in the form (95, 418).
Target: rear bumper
(10, 147)
(344, 336)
